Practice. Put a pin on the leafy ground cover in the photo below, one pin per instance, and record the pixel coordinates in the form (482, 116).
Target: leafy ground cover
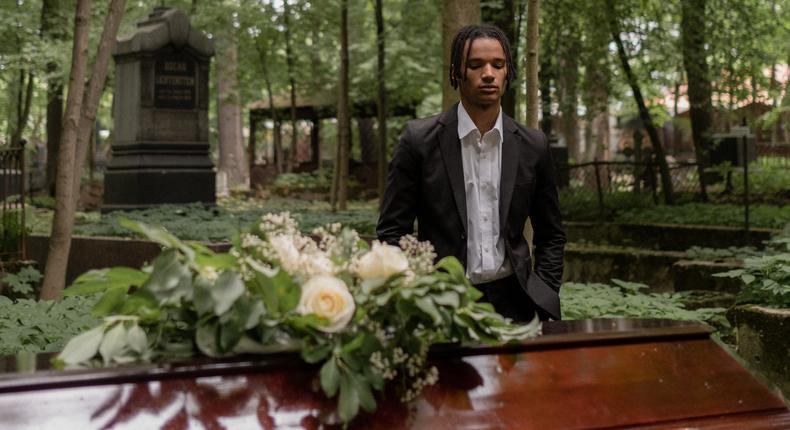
(216, 223)
(42, 326)
(760, 215)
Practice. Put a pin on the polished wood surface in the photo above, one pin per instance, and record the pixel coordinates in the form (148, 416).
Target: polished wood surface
(581, 374)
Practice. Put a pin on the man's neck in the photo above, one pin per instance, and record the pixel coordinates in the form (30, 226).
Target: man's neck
(484, 117)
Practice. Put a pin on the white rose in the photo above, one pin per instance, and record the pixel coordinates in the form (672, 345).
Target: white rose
(381, 262)
(327, 297)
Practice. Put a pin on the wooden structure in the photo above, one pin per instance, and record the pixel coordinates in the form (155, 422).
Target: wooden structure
(313, 108)
(607, 373)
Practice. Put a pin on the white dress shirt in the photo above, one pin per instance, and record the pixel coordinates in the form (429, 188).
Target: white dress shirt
(482, 161)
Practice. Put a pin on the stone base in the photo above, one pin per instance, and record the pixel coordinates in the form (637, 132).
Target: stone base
(763, 339)
(143, 188)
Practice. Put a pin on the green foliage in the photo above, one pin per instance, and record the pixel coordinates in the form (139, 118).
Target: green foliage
(217, 223)
(22, 284)
(760, 215)
(629, 300)
(42, 326)
(766, 280)
(716, 254)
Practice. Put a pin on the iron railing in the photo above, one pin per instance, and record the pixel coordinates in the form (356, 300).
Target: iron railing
(12, 203)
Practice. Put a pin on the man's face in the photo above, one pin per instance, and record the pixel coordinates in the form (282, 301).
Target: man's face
(486, 73)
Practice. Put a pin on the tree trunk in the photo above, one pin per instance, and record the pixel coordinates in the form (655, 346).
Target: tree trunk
(94, 89)
(455, 14)
(381, 105)
(545, 77)
(647, 121)
(533, 14)
(23, 108)
(232, 156)
(367, 140)
(62, 224)
(699, 88)
(503, 15)
(343, 117)
(278, 149)
(52, 29)
(289, 57)
(568, 85)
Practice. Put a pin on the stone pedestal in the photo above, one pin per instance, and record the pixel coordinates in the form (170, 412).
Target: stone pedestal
(160, 151)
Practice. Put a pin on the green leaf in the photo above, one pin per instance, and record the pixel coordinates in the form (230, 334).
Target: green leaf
(452, 266)
(114, 343)
(201, 296)
(110, 302)
(206, 338)
(157, 234)
(355, 343)
(262, 286)
(82, 347)
(217, 261)
(227, 288)
(364, 393)
(330, 377)
(426, 305)
(143, 304)
(447, 298)
(137, 339)
(288, 292)
(747, 278)
(348, 403)
(170, 280)
(96, 281)
(314, 354)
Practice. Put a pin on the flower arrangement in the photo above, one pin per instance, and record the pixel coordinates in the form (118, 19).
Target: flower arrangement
(367, 314)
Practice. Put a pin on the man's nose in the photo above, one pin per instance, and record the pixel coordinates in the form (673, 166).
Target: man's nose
(488, 73)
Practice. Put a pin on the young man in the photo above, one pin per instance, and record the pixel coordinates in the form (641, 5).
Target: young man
(471, 177)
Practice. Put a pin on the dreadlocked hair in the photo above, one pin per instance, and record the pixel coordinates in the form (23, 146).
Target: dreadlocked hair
(470, 33)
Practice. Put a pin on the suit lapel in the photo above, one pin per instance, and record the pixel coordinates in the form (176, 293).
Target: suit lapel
(450, 146)
(508, 168)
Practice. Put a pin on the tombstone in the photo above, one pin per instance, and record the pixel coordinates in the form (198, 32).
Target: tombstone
(160, 149)
(729, 148)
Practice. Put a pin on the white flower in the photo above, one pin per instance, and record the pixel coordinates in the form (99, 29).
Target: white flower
(381, 262)
(287, 253)
(327, 297)
(317, 264)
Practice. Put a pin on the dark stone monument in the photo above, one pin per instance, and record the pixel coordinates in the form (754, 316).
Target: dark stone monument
(160, 150)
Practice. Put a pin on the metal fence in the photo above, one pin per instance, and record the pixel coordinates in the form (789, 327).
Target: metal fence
(12, 203)
(773, 155)
(612, 184)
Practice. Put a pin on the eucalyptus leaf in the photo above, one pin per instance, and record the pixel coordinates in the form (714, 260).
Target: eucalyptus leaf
(83, 347)
(348, 403)
(110, 302)
(96, 281)
(330, 377)
(137, 339)
(227, 288)
(114, 343)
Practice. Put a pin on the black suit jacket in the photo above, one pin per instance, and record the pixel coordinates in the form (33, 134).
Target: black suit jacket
(426, 183)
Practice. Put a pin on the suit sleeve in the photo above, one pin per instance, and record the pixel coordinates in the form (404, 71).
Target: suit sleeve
(549, 237)
(399, 205)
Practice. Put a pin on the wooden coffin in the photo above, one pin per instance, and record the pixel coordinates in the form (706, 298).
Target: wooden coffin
(607, 373)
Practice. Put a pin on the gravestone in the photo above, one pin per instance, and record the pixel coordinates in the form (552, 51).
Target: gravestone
(160, 149)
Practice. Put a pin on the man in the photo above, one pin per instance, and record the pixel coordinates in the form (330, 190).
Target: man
(471, 177)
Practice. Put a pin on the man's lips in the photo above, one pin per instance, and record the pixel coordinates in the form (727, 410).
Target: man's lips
(488, 88)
